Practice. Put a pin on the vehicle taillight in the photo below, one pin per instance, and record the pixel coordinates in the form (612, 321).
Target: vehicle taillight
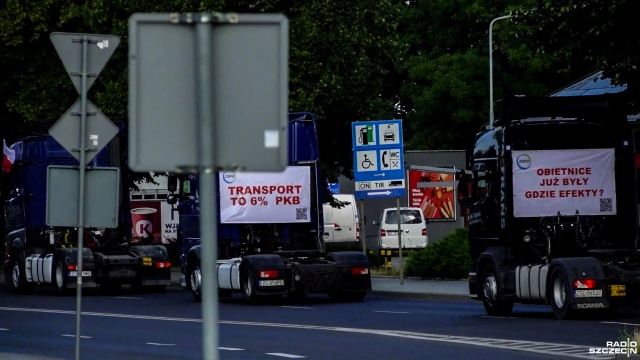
(72, 267)
(268, 274)
(424, 231)
(383, 232)
(163, 264)
(357, 232)
(336, 226)
(584, 284)
(359, 271)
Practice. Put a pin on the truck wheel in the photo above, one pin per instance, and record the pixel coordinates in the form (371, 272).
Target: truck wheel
(19, 283)
(60, 281)
(195, 281)
(249, 287)
(491, 293)
(561, 295)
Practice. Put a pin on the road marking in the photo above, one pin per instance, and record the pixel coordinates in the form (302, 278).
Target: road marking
(619, 323)
(3, 329)
(229, 349)
(296, 307)
(160, 344)
(129, 297)
(568, 350)
(391, 312)
(290, 356)
(81, 336)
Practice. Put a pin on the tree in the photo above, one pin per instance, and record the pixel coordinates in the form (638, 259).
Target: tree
(596, 34)
(342, 54)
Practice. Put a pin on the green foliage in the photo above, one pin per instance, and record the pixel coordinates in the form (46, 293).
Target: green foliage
(447, 258)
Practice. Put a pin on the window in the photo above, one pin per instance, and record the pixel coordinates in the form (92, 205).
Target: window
(406, 217)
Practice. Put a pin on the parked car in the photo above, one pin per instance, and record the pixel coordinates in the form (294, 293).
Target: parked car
(413, 225)
(341, 224)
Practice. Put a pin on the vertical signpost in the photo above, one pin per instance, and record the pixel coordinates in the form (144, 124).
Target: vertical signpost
(378, 166)
(227, 78)
(83, 56)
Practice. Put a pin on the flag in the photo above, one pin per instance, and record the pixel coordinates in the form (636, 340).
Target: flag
(8, 157)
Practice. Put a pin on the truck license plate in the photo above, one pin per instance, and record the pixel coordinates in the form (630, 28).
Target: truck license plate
(587, 293)
(84, 273)
(279, 282)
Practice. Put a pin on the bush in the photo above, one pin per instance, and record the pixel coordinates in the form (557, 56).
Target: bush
(448, 258)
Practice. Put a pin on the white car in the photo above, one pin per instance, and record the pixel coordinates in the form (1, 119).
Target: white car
(413, 227)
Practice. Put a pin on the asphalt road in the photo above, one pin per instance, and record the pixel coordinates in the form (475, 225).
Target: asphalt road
(168, 326)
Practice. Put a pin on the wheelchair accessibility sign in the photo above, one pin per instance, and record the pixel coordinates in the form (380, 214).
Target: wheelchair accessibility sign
(378, 158)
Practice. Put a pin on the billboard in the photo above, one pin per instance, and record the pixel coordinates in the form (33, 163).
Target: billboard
(433, 192)
(569, 182)
(266, 197)
(152, 222)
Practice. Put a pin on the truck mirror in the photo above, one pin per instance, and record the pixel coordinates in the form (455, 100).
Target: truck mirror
(172, 199)
(172, 183)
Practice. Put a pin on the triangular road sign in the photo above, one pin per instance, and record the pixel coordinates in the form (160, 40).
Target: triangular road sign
(99, 50)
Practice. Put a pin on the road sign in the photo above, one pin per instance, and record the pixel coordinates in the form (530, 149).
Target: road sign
(103, 189)
(69, 46)
(378, 158)
(250, 92)
(99, 131)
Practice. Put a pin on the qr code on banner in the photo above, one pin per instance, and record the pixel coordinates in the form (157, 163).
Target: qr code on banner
(301, 214)
(606, 204)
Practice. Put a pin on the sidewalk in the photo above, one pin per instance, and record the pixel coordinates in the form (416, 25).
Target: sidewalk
(408, 288)
(421, 289)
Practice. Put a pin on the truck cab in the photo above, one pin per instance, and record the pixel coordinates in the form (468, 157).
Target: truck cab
(551, 193)
(270, 230)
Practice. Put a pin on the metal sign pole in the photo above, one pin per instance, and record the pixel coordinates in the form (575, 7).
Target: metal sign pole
(399, 239)
(207, 175)
(363, 236)
(83, 123)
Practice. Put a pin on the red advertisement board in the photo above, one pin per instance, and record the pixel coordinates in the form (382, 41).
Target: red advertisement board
(436, 201)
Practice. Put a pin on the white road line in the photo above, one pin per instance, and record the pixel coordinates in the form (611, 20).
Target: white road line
(296, 307)
(290, 356)
(391, 312)
(129, 297)
(569, 350)
(160, 344)
(81, 336)
(230, 349)
(618, 323)
(3, 329)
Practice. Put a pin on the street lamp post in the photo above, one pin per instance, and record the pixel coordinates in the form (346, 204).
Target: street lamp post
(491, 114)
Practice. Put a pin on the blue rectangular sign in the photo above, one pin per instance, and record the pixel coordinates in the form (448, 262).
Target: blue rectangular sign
(378, 158)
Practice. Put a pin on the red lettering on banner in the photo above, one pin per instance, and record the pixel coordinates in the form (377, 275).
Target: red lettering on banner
(265, 190)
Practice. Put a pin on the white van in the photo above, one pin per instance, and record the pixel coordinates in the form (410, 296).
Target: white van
(341, 224)
(412, 224)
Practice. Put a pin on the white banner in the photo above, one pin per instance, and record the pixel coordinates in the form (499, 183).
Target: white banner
(546, 182)
(265, 197)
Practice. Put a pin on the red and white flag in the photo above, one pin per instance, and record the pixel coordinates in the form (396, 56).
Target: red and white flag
(8, 157)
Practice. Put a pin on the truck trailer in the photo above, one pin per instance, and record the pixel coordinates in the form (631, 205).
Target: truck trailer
(38, 254)
(552, 199)
(270, 231)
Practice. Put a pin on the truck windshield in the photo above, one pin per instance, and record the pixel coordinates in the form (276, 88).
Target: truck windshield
(553, 136)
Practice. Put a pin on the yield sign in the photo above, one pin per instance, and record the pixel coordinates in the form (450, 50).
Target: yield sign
(99, 131)
(99, 50)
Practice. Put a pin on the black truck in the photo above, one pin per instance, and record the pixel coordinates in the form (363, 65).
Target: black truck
(552, 198)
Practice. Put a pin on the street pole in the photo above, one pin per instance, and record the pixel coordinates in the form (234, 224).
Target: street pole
(491, 114)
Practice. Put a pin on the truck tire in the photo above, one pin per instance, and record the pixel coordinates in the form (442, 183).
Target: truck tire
(492, 300)
(249, 286)
(60, 277)
(560, 294)
(195, 280)
(19, 284)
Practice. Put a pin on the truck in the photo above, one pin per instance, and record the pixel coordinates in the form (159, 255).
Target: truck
(552, 198)
(270, 231)
(36, 254)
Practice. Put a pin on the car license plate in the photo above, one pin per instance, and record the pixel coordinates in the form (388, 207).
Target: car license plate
(392, 232)
(587, 293)
(84, 273)
(279, 282)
